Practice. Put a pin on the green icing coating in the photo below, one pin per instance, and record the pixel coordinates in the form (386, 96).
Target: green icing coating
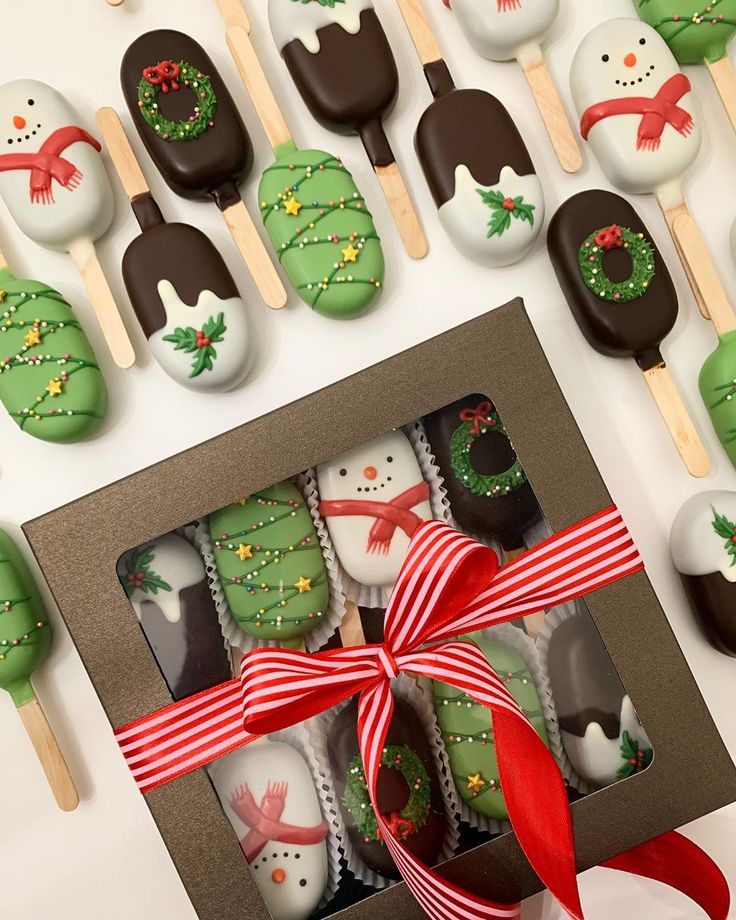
(331, 218)
(270, 564)
(25, 635)
(468, 735)
(718, 389)
(59, 359)
(695, 32)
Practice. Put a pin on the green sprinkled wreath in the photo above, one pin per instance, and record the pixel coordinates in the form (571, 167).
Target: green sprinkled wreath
(590, 259)
(477, 422)
(412, 818)
(169, 77)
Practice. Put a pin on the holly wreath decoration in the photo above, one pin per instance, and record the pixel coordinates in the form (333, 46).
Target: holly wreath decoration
(590, 259)
(169, 77)
(478, 421)
(412, 817)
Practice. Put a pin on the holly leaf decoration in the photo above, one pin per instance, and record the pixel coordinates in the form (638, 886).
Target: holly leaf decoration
(141, 576)
(330, 3)
(727, 530)
(200, 342)
(503, 209)
(183, 338)
(635, 759)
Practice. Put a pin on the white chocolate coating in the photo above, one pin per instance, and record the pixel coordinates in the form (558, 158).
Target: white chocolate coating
(256, 766)
(378, 471)
(234, 354)
(498, 29)
(697, 549)
(465, 218)
(631, 69)
(83, 210)
(301, 21)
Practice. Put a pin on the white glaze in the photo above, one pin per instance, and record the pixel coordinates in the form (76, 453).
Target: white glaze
(465, 218)
(255, 766)
(293, 20)
(179, 564)
(696, 547)
(614, 139)
(350, 535)
(497, 32)
(597, 758)
(81, 213)
(234, 354)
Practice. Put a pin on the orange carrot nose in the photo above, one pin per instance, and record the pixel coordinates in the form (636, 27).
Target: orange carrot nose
(278, 876)
(19, 122)
(370, 472)
(630, 59)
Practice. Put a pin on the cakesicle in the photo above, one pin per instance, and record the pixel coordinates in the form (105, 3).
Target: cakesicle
(54, 184)
(622, 296)
(190, 126)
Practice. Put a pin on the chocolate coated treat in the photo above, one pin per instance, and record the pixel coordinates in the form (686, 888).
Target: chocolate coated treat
(215, 153)
(393, 790)
(629, 305)
(489, 493)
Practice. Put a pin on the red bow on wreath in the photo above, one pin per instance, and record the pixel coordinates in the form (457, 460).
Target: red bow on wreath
(165, 75)
(481, 415)
(610, 238)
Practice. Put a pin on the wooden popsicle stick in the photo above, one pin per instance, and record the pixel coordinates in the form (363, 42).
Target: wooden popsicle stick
(256, 82)
(49, 755)
(553, 114)
(115, 2)
(121, 153)
(724, 77)
(351, 627)
(400, 204)
(233, 14)
(534, 622)
(3, 262)
(98, 290)
(677, 419)
(705, 275)
(670, 216)
(420, 31)
(253, 251)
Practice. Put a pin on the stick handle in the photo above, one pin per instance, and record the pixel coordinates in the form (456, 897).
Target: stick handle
(553, 114)
(253, 251)
(121, 153)
(420, 31)
(534, 622)
(233, 14)
(724, 77)
(670, 216)
(256, 83)
(351, 627)
(3, 261)
(402, 208)
(49, 755)
(677, 419)
(108, 316)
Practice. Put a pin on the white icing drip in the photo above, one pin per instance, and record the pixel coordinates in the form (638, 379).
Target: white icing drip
(292, 20)
(498, 34)
(696, 547)
(465, 218)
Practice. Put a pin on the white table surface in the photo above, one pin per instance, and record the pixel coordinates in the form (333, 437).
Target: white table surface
(107, 859)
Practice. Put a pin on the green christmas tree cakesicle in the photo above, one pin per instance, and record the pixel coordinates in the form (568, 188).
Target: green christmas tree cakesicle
(695, 30)
(50, 381)
(270, 564)
(467, 731)
(322, 231)
(718, 389)
(25, 642)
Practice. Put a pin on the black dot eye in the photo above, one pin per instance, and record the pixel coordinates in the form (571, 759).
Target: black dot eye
(605, 58)
(642, 41)
(343, 472)
(302, 883)
(31, 102)
(389, 459)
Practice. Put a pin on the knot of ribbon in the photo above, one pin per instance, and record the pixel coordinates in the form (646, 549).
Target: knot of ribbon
(610, 238)
(480, 415)
(165, 75)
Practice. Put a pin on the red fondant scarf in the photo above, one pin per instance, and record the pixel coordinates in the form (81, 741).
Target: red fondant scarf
(47, 164)
(389, 515)
(264, 822)
(657, 112)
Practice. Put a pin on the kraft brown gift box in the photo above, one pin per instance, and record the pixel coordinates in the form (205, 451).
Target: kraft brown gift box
(498, 354)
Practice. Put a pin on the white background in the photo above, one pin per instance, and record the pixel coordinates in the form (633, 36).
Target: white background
(107, 859)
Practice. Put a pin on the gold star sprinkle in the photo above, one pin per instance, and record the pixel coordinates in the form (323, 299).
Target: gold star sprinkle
(476, 782)
(54, 388)
(350, 254)
(304, 584)
(292, 207)
(32, 337)
(244, 552)
(3, 295)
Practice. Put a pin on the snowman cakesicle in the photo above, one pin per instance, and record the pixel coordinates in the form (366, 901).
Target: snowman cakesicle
(54, 184)
(638, 114)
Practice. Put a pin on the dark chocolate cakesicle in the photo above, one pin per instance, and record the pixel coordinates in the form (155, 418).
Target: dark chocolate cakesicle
(601, 733)
(190, 126)
(703, 545)
(167, 585)
(342, 64)
(489, 198)
(623, 299)
(409, 792)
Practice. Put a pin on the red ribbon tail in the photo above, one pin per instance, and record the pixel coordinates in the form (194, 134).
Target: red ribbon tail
(678, 862)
